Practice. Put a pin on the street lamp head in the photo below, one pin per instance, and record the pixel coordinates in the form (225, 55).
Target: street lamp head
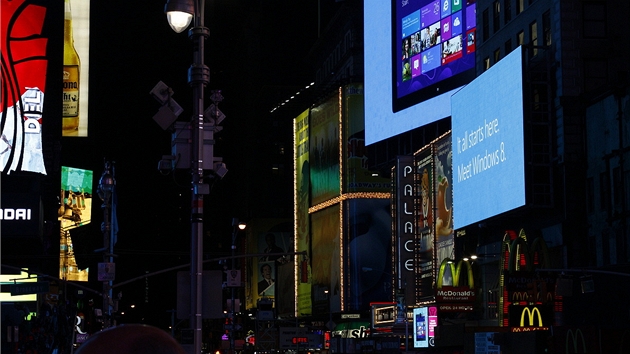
(242, 226)
(106, 183)
(179, 13)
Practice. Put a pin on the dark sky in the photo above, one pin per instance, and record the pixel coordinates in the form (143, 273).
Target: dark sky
(256, 54)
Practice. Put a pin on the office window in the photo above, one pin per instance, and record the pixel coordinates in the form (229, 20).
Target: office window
(590, 195)
(595, 72)
(486, 26)
(486, 63)
(594, 15)
(546, 23)
(520, 38)
(617, 191)
(520, 6)
(508, 46)
(496, 15)
(497, 55)
(507, 10)
(604, 191)
(533, 35)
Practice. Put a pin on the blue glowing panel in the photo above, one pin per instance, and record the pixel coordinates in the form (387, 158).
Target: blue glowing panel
(488, 145)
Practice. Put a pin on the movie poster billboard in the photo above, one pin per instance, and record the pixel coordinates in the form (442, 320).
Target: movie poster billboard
(324, 150)
(444, 198)
(425, 194)
(302, 189)
(369, 266)
(326, 262)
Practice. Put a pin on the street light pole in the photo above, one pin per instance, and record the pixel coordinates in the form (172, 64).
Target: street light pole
(105, 191)
(198, 78)
(237, 226)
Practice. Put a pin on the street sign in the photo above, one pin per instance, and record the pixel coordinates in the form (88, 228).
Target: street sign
(235, 327)
(106, 271)
(233, 278)
(29, 288)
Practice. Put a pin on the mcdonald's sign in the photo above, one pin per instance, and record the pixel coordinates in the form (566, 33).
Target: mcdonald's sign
(452, 291)
(574, 337)
(530, 316)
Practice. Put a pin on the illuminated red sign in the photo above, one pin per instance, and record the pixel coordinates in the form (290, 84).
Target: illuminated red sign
(299, 340)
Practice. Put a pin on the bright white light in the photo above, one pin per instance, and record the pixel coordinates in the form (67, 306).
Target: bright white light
(178, 20)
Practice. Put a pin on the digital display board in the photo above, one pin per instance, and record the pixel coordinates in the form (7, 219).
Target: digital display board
(433, 48)
(25, 68)
(488, 144)
(420, 325)
(382, 121)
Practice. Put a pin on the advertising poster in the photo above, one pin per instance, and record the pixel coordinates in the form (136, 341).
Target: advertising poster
(75, 211)
(324, 151)
(368, 232)
(76, 194)
(76, 68)
(420, 326)
(425, 183)
(266, 284)
(382, 120)
(326, 263)
(275, 272)
(433, 42)
(302, 190)
(21, 214)
(444, 198)
(488, 143)
(357, 177)
(25, 27)
(530, 298)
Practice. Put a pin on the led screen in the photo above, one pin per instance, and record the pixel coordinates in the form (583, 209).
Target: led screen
(420, 326)
(25, 52)
(433, 48)
(488, 151)
(381, 120)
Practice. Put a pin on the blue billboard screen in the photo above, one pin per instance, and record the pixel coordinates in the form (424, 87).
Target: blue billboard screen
(488, 143)
(382, 119)
(433, 48)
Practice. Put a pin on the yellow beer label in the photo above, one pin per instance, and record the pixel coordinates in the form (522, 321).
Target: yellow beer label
(70, 91)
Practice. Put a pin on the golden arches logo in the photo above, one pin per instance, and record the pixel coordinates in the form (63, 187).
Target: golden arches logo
(530, 314)
(519, 296)
(519, 247)
(574, 338)
(448, 263)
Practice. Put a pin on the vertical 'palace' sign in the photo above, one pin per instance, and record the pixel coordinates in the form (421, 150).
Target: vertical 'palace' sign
(405, 237)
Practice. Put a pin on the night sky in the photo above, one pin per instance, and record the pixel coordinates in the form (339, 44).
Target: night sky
(256, 54)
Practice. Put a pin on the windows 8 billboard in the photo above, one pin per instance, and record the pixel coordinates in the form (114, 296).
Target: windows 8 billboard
(433, 48)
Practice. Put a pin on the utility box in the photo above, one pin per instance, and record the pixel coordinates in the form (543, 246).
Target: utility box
(181, 146)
